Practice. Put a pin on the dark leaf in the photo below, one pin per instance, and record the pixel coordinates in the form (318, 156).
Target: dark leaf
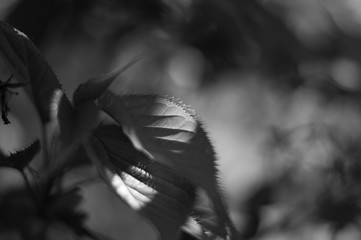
(64, 115)
(5, 94)
(154, 190)
(64, 207)
(74, 122)
(28, 66)
(22, 158)
(168, 130)
(75, 125)
(19, 212)
(95, 87)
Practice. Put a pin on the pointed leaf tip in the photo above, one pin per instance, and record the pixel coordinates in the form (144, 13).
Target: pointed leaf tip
(169, 131)
(154, 190)
(95, 87)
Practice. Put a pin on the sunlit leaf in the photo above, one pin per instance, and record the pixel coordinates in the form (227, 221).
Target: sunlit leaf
(156, 191)
(28, 66)
(168, 130)
(21, 158)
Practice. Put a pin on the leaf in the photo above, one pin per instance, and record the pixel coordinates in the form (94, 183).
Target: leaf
(66, 206)
(28, 66)
(76, 122)
(83, 120)
(113, 218)
(73, 125)
(169, 131)
(5, 94)
(76, 125)
(95, 87)
(64, 115)
(156, 191)
(20, 159)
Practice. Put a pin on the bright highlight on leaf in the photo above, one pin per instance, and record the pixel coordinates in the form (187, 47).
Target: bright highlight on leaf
(158, 180)
(154, 190)
(168, 130)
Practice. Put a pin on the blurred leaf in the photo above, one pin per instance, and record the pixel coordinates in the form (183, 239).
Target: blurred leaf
(5, 94)
(95, 87)
(188, 236)
(64, 207)
(191, 229)
(207, 221)
(22, 158)
(19, 212)
(252, 209)
(338, 202)
(154, 190)
(28, 66)
(83, 120)
(214, 32)
(113, 218)
(76, 125)
(168, 130)
(73, 126)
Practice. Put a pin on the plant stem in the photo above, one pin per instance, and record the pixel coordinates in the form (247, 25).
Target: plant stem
(31, 190)
(46, 157)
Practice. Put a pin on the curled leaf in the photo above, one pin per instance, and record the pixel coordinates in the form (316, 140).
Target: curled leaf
(169, 131)
(156, 191)
(28, 66)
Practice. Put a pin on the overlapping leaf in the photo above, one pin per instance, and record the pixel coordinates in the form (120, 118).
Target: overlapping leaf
(169, 131)
(28, 66)
(154, 190)
(77, 121)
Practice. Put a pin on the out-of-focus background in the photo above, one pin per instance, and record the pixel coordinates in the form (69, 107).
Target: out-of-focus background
(277, 84)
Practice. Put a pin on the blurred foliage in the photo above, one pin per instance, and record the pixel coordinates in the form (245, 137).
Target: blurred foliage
(277, 82)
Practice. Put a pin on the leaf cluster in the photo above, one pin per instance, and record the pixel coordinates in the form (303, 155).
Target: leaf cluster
(150, 151)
